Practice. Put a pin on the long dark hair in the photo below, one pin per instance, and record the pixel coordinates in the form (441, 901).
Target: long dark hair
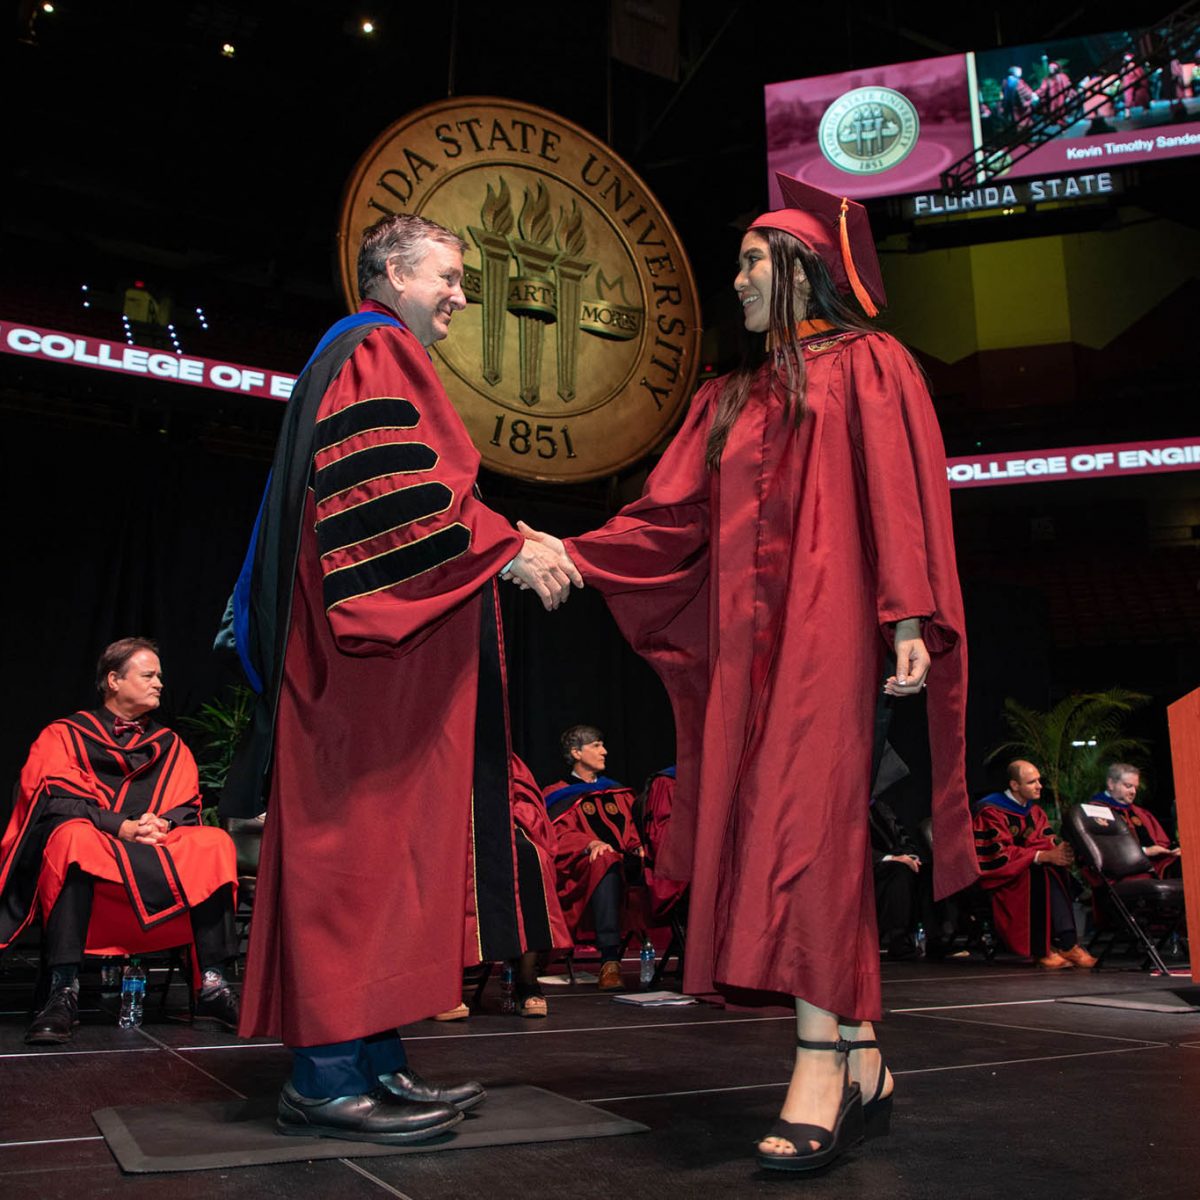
(784, 360)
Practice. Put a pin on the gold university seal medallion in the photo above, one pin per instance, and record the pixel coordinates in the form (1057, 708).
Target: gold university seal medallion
(869, 130)
(580, 340)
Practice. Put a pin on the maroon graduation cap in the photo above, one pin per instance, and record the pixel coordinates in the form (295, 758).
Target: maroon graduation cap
(838, 230)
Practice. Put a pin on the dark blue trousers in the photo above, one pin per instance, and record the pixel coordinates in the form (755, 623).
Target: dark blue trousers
(606, 912)
(346, 1068)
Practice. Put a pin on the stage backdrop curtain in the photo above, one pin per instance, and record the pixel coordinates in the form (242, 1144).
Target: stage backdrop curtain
(111, 532)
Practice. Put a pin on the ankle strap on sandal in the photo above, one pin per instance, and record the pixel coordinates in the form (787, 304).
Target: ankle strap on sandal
(865, 1044)
(842, 1045)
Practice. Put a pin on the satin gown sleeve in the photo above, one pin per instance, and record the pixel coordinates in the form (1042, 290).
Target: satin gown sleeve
(651, 561)
(899, 443)
(910, 532)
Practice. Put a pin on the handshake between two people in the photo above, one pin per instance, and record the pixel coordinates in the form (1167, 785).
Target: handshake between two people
(543, 566)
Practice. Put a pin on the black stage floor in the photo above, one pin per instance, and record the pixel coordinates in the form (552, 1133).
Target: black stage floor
(1001, 1092)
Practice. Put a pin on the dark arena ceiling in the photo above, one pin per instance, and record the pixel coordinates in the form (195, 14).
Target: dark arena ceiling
(137, 142)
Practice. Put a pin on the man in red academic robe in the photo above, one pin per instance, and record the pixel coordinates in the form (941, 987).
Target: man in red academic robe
(1023, 866)
(596, 835)
(1121, 789)
(1016, 99)
(381, 738)
(1056, 96)
(105, 844)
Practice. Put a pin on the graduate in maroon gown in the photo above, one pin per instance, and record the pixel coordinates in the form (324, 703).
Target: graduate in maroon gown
(381, 739)
(105, 844)
(1024, 869)
(1121, 788)
(596, 836)
(795, 534)
(1056, 96)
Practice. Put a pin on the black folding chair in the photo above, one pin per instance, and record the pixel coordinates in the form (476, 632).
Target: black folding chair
(1111, 849)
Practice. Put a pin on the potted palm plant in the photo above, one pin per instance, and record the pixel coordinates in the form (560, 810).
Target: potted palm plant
(1072, 743)
(220, 724)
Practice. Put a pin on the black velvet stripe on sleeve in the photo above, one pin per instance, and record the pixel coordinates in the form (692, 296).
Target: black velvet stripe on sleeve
(349, 526)
(380, 412)
(395, 566)
(390, 458)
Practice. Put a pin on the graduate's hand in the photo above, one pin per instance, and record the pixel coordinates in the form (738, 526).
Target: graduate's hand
(552, 543)
(1155, 851)
(597, 848)
(910, 861)
(912, 660)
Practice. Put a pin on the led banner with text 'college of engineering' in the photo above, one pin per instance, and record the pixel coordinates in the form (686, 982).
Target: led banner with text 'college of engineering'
(1020, 466)
(892, 130)
(74, 349)
(1075, 462)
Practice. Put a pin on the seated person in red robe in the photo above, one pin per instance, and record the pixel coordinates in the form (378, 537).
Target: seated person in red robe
(665, 893)
(542, 927)
(596, 834)
(110, 795)
(1120, 792)
(1024, 867)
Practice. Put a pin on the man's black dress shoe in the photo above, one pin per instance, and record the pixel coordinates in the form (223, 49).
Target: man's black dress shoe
(408, 1085)
(376, 1116)
(58, 1018)
(219, 1008)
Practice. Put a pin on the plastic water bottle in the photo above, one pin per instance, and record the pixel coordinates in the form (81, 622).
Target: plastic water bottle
(508, 989)
(988, 940)
(919, 940)
(133, 995)
(646, 970)
(110, 976)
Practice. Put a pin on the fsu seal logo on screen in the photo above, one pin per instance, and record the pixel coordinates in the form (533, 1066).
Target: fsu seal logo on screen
(868, 130)
(580, 340)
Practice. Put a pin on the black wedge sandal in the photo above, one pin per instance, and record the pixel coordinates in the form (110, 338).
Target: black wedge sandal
(877, 1112)
(831, 1143)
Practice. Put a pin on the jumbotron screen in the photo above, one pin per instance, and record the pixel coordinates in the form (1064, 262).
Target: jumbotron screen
(892, 130)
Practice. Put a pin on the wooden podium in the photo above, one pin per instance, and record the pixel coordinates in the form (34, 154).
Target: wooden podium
(1184, 719)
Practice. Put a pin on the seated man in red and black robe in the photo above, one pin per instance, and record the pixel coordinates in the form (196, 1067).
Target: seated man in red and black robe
(596, 835)
(105, 845)
(1024, 867)
(1121, 789)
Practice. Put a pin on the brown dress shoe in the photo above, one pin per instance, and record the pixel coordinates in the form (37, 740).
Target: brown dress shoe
(1053, 961)
(1077, 956)
(610, 976)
